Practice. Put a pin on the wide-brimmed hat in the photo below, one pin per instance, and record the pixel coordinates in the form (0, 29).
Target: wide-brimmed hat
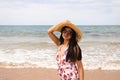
(74, 27)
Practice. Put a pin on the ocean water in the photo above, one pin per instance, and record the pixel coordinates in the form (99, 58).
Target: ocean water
(23, 46)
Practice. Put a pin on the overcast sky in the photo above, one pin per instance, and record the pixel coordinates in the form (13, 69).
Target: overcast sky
(40, 12)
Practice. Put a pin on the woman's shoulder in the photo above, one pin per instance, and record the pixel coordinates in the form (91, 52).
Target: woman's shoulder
(59, 46)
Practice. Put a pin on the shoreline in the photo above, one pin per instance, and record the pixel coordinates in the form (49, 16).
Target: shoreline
(51, 74)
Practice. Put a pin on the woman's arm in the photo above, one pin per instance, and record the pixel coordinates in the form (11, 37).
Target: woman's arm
(54, 38)
(54, 28)
(80, 69)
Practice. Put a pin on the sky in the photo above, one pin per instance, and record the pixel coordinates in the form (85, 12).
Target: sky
(49, 12)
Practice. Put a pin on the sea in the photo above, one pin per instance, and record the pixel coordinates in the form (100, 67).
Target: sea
(29, 46)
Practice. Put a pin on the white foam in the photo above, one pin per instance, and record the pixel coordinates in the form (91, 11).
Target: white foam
(36, 57)
(102, 56)
(96, 57)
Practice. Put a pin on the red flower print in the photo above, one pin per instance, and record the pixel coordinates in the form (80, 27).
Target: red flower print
(71, 74)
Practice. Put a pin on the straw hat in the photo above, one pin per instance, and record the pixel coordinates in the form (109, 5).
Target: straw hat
(74, 27)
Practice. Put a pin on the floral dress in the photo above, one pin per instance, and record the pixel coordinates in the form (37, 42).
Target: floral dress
(67, 70)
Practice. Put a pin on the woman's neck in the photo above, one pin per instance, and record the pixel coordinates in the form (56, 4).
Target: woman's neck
(65, 43)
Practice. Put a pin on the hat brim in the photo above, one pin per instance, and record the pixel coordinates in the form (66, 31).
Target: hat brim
(74, 27)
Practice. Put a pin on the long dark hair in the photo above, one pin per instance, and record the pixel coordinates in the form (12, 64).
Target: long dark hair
(74, 52)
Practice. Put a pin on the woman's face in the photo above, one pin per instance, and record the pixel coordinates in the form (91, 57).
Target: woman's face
(67, 33)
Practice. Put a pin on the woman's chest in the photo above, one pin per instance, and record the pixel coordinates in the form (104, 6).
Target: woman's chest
(61, 55)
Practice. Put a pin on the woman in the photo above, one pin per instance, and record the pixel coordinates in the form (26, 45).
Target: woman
(69, 56)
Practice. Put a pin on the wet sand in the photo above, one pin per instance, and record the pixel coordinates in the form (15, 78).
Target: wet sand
(51, 74)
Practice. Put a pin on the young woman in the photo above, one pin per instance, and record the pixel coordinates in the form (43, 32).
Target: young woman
(69, 56)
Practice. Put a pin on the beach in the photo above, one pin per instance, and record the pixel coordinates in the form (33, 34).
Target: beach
(27, 53)
(51, 74)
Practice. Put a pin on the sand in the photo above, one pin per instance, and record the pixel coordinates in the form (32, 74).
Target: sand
(51, 74)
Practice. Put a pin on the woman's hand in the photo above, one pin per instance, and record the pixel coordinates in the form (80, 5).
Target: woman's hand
(66, 22)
